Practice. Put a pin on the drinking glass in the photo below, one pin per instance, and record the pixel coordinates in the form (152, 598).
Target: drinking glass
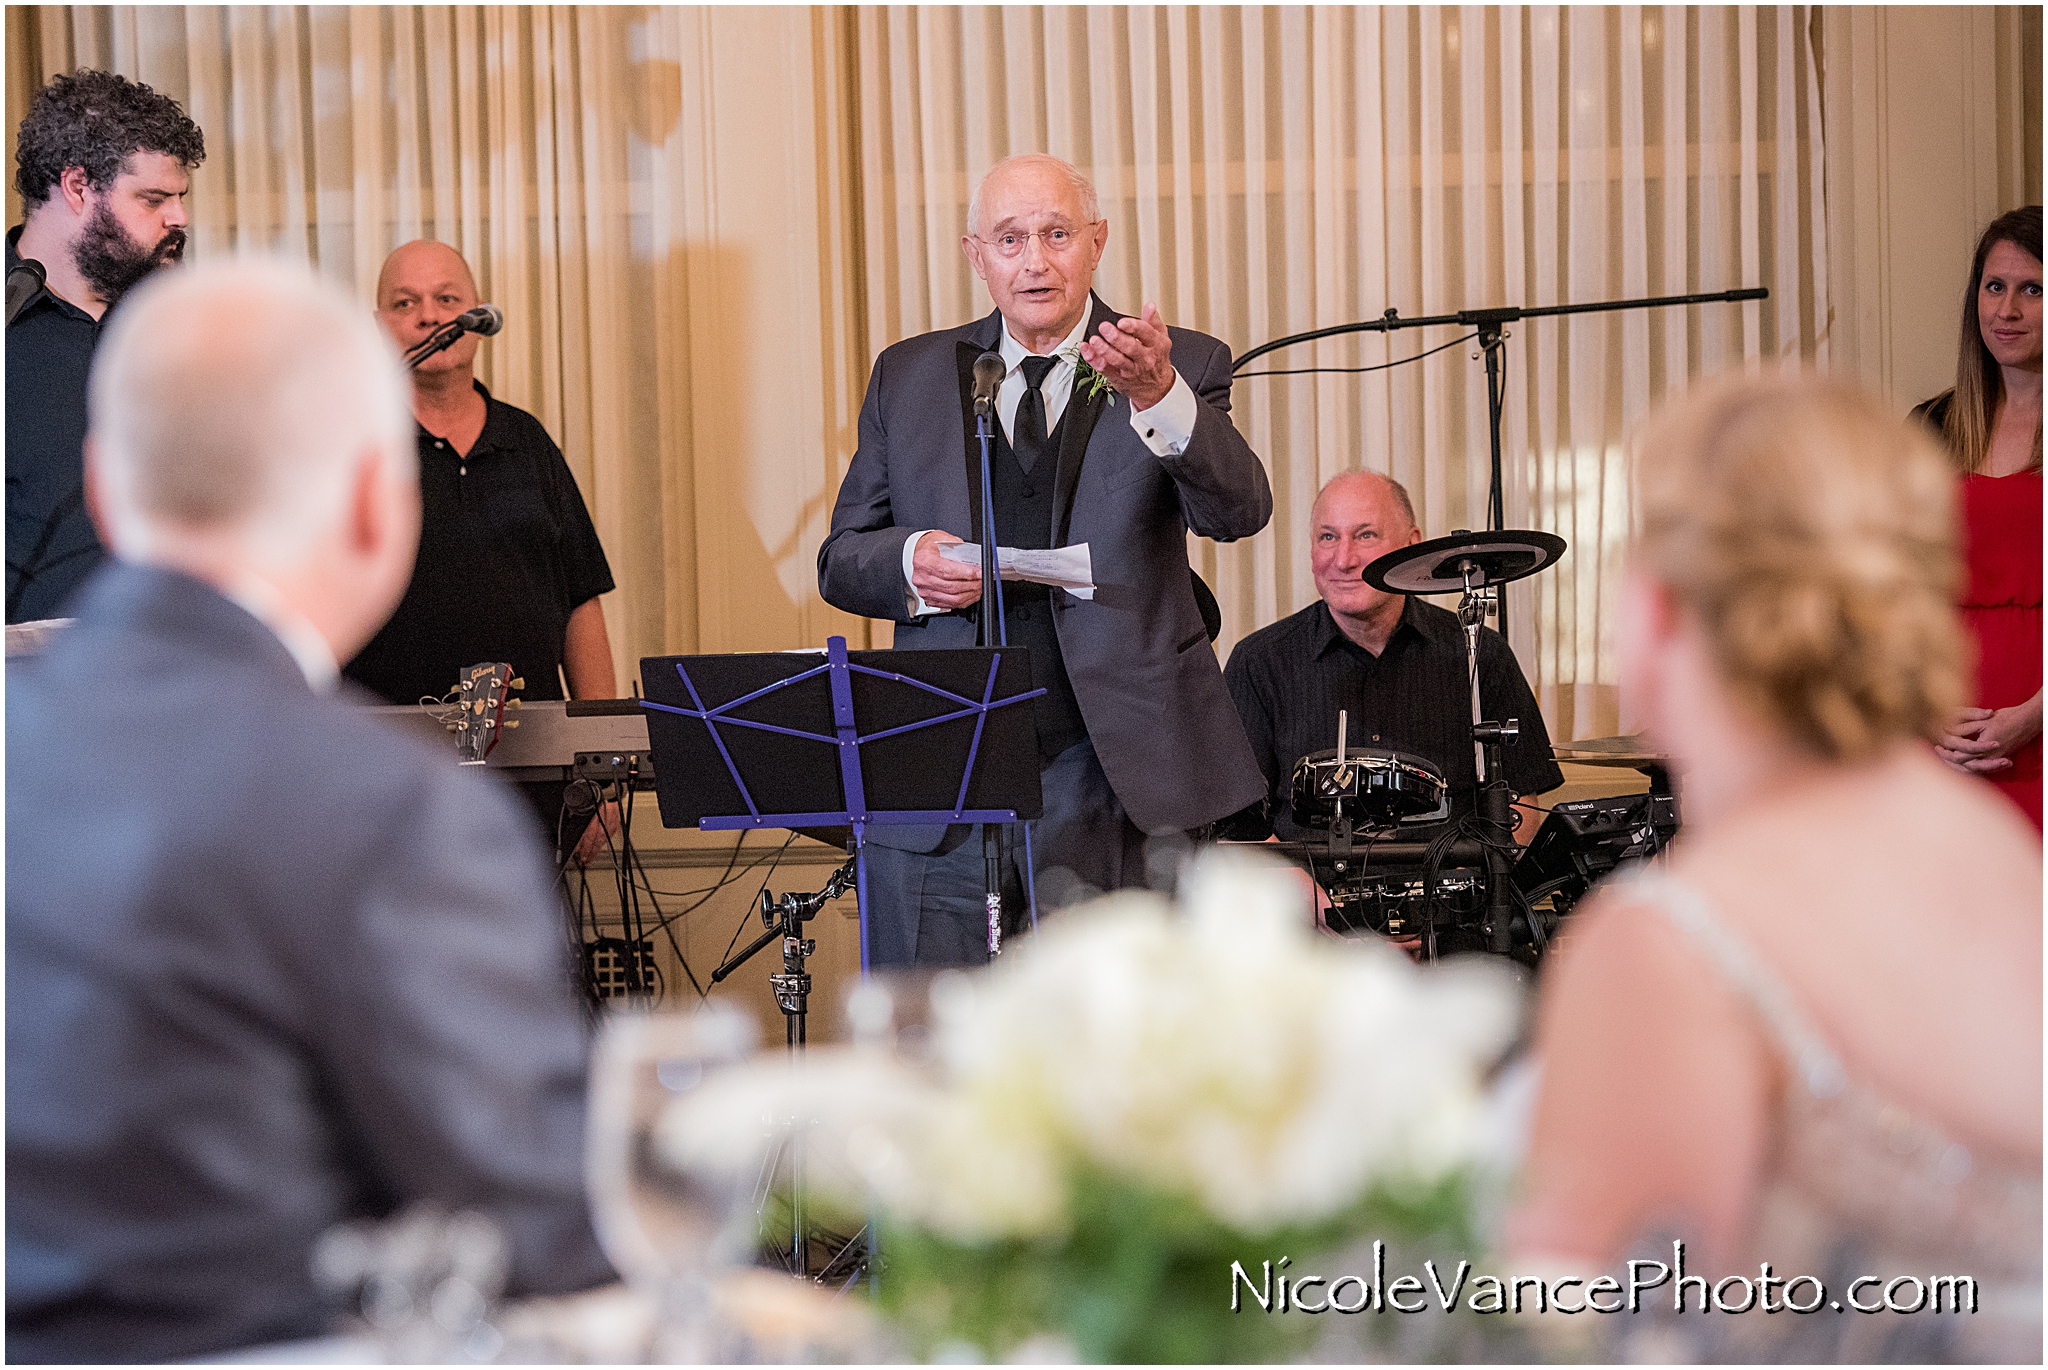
(669, 1229)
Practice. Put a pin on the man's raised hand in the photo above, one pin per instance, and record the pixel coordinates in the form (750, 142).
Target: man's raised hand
(1135, 355)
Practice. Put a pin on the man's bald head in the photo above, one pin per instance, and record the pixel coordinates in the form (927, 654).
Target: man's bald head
(1370, 484)
(424, 255)
(1359, 517)
(235, 400)
(423, 286)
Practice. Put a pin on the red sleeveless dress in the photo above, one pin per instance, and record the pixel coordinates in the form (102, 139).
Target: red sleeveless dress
(2001, 606)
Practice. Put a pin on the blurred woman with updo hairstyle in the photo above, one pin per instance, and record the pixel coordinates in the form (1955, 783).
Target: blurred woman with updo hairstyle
(1991, 424)
(1811, 1034)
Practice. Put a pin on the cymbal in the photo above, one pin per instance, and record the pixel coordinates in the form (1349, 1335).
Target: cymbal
(1625, 760)
(1628, 750)
(1435, 567)
(1627, 742)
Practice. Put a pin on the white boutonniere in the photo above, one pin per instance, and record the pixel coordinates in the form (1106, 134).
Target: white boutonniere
(1088, 381)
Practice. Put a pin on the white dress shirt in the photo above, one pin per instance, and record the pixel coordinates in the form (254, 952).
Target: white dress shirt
(1165, 428)
(315, 657)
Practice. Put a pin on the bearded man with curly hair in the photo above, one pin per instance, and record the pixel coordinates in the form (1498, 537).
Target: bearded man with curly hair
(103, 165)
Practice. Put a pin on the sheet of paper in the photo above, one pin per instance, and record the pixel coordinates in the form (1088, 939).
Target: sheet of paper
(1064, 568)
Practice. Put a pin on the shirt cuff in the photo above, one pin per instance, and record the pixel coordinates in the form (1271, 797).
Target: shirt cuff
(912, 600)
(1168, 425)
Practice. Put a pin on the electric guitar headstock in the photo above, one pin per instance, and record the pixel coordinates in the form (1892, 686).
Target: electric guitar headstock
(484, 694)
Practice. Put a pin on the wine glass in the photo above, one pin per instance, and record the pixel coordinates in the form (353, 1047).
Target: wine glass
(669, 1229)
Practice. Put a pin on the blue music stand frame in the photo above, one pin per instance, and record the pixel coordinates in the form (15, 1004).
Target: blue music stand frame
(847, 738)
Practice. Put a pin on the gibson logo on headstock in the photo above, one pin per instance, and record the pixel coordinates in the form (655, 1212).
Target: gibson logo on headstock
(484, 694)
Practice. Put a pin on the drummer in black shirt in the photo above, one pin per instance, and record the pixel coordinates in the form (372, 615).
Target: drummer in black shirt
(510, 567)
(1396, 664)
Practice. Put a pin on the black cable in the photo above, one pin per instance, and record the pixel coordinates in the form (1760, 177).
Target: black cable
(756, 902)
(666, 926)
(725, 880)
(1432, 864)
(628, 896)
(1356, 370)
(1529, 912)
(632, 862)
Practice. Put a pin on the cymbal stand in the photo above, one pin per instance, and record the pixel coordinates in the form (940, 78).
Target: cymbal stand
(1342, 780)
(1496, 803)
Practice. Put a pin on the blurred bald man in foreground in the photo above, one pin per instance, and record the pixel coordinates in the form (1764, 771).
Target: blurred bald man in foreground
(269, 965)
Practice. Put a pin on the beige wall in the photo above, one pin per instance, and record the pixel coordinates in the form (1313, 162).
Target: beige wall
(1933, 127)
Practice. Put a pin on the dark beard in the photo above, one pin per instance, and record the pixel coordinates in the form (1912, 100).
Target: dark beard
(112, 262)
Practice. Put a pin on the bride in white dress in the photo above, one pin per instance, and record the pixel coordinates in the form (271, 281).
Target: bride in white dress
(1813, 1036)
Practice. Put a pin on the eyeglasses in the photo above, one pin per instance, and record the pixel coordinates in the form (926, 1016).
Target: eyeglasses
(1057, 241)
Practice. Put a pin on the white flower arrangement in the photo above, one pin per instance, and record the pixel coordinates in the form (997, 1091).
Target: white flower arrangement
(1224, 1052)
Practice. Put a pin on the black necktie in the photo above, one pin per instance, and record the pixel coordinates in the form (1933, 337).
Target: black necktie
(1027, 433)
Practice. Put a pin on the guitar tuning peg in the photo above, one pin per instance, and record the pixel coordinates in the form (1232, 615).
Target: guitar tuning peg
(519, 682)
(511, 723)
(511, 703)
(453, 728)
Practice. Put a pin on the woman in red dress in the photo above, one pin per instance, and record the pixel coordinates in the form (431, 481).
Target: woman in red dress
(1991, 423)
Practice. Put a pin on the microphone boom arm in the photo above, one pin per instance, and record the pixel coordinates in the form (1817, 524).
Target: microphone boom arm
(1494, 318)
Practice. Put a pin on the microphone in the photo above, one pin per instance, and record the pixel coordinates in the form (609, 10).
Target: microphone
(988, 377)
(484, 321)
(23, 281)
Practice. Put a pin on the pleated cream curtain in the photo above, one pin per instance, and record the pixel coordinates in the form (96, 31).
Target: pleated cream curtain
(1273, 171)
(702, 223)
(583, 160)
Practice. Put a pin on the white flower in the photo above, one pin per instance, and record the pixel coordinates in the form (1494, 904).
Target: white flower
(1225, 1050)
(1234, 1053)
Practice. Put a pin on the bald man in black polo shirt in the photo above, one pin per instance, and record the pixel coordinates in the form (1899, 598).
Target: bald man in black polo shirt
(510, 567)
(1396, 663)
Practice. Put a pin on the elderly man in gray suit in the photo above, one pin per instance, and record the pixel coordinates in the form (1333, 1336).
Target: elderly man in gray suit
(1115, 432)
(270, 965)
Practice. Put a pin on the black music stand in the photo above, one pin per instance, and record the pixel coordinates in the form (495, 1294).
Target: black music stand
(860, 739)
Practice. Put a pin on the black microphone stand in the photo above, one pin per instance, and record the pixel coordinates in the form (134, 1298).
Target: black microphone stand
(441, 340)
(994, 633)
(1493, 335)
(785, 920)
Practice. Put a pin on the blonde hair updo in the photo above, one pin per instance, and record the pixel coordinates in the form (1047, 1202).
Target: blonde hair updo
(1811, 534)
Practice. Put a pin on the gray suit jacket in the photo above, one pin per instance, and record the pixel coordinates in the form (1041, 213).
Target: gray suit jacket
(270, 966)
(1147, 681)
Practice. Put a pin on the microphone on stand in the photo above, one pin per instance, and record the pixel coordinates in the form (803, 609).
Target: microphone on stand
(988, 378)
(23, 281)
(485, 320)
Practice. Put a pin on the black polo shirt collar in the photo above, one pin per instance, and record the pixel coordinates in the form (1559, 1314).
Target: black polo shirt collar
(1328, 636)
(493, 438)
